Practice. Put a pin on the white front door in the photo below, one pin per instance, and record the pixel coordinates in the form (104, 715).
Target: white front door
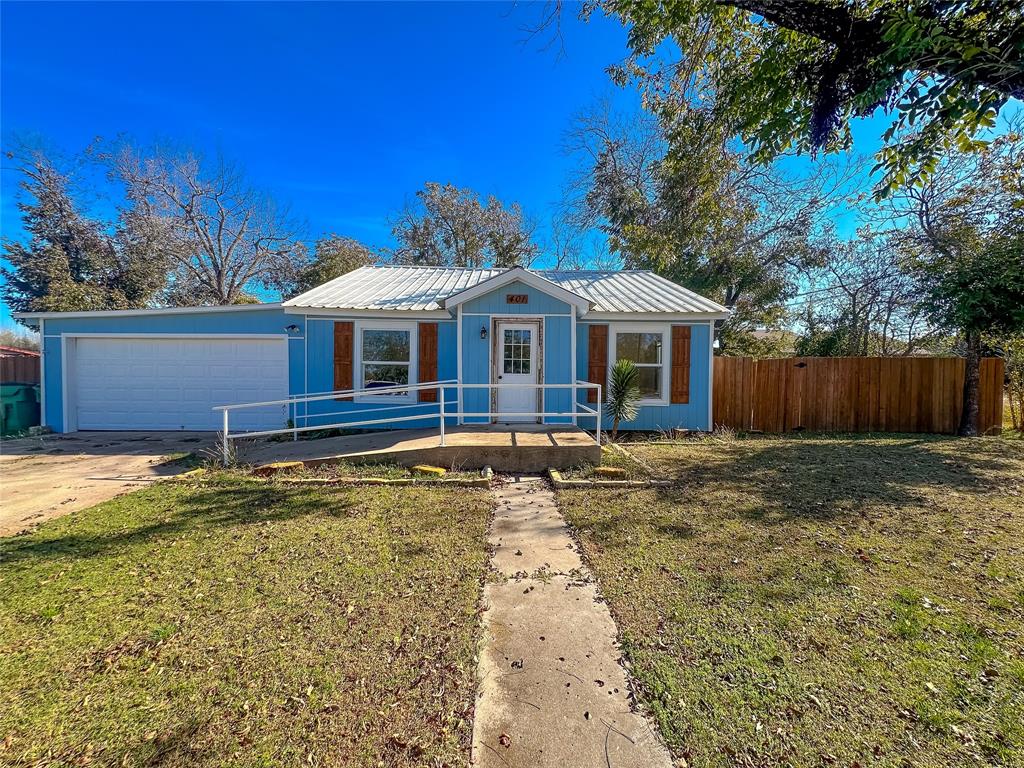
(517, 363)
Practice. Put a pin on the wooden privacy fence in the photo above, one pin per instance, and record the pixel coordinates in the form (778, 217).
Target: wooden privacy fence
(852, 394)
(21, 369)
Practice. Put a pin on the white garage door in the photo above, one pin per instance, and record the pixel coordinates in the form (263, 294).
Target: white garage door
(173, 384)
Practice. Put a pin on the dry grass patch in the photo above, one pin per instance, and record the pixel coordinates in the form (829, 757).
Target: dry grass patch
(817, 601)
(245, 624)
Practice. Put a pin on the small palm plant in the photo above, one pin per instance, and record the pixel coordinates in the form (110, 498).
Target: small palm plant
(623, 394)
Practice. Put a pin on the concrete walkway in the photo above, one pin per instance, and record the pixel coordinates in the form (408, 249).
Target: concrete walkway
(552, 691)
(52, 475)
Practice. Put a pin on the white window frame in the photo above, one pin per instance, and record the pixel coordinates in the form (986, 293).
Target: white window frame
(666, 352)
(366, 395)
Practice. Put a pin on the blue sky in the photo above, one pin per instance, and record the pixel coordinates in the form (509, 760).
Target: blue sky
(340, 110)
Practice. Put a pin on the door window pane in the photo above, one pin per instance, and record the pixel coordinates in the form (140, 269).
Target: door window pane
(516, 351)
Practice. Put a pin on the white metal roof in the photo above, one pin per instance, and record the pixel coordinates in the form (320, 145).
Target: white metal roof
(426, 288)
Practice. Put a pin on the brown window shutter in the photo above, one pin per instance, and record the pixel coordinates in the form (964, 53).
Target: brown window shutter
(680, 364)
(427, 360)
(344, 350)
(597, 359)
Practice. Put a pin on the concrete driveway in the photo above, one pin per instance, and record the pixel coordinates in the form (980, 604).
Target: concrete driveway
(53, 475)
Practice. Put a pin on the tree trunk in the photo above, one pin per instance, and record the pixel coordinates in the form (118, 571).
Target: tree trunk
(615, 428)
(972, 371)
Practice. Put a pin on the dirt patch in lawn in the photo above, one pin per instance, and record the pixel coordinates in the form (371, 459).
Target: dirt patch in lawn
(822, 601)
(243, 623)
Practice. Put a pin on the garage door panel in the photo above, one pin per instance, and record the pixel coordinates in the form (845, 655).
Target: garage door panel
(173, 384)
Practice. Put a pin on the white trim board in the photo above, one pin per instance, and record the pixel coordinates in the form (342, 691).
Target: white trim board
(711, 376)
(144, 335)
(657, 317)
(341, 313)
(572, 352)
(42, 372)
(143, 312)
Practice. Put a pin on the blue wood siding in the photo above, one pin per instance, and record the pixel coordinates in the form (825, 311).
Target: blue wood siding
(320, 371)
(495, 302)
(476, 366)
(558, 367)
(692, 415)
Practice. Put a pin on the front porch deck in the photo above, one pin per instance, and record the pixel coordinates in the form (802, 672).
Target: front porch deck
(503, 447)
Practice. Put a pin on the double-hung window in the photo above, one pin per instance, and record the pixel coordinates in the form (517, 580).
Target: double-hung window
(646, 348)
(387, 357)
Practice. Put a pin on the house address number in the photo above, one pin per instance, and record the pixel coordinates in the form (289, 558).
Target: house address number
(516, 298)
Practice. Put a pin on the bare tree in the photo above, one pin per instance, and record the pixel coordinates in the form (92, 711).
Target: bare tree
(220, 236)
(333, 256)
(864, 299)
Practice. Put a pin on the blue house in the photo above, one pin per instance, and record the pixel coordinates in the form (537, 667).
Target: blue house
(368, 349)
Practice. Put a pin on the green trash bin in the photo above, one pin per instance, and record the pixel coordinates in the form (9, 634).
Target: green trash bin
(19, 407)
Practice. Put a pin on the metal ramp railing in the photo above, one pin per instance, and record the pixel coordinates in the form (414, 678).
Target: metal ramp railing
(427, 410)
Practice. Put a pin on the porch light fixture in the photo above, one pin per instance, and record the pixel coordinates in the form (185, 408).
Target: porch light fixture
(483, 331)
(292, 328)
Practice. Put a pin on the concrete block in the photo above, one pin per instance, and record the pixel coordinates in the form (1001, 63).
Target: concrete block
(192, 474)
(426, 469)
(277, 467)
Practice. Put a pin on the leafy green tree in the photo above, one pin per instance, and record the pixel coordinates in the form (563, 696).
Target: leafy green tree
(791, 74)
(967, 240)
(1012, 349)
(333, 257)
(68, 261)
(675, 198)
(623, 400)
(976, 286)
(449, 226)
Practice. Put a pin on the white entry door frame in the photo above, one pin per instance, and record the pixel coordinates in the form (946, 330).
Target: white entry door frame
(517, 355)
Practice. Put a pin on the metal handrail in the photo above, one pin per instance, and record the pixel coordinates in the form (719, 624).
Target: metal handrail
(338, 394)
(578, 409)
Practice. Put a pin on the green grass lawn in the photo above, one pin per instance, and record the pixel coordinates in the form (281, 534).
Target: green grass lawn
(817, 601)
(241, 623)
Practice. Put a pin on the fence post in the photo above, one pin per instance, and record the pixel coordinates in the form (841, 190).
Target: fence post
(440, 400)
(225, 450)
(599, 414)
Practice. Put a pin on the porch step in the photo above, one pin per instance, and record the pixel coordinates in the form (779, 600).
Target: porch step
(524, 448)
